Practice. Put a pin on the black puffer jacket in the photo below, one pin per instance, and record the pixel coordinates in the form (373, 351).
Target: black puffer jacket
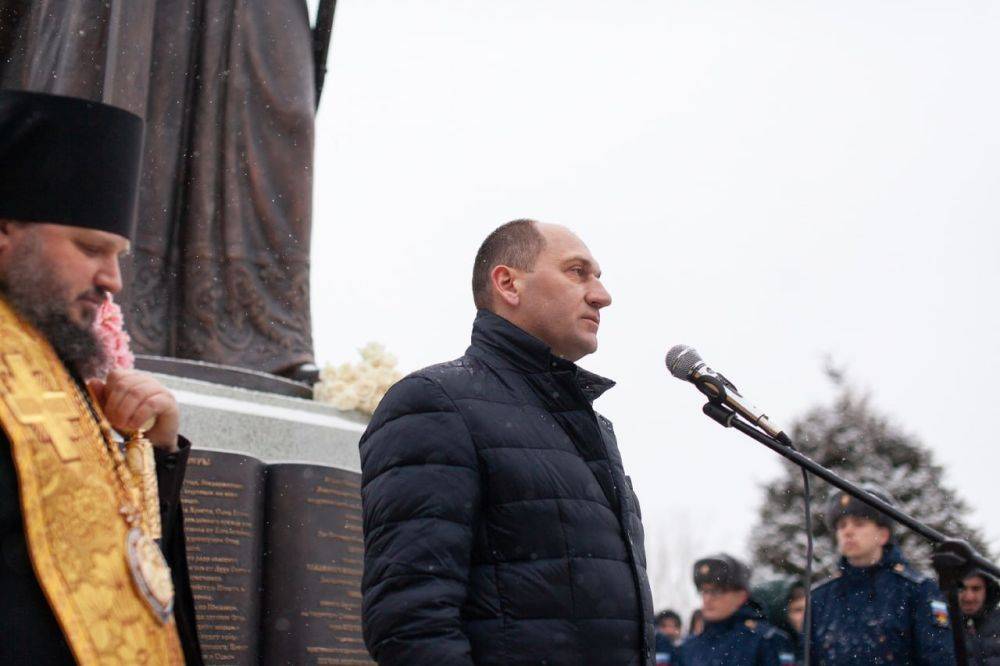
(499, 525)
(983, 629)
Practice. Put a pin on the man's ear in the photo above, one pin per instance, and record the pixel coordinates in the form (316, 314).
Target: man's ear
(884, 534)
(505, 285)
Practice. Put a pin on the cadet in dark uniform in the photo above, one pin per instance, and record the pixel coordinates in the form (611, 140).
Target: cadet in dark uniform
(784, 603)
(877, 609)
(668, 629)
(979, 597)
(736, 632)
(667, 654)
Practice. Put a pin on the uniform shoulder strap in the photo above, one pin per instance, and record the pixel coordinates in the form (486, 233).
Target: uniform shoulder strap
(824, 583)
(909, 573)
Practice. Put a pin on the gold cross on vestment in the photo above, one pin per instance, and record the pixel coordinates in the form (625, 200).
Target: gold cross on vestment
(31, 404)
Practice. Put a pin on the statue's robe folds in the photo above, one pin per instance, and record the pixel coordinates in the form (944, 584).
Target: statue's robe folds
(219, 270)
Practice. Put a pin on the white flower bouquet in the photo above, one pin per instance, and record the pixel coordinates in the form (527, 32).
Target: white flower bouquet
(359, 386)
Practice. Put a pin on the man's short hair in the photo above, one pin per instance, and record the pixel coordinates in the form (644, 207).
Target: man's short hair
(515, 244)
(665, 615)
(797, 592)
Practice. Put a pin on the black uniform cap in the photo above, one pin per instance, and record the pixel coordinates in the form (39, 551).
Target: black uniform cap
(723, 570)
(68, 161)
(841, 504)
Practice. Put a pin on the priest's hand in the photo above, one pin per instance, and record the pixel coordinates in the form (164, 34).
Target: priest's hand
(131, 399)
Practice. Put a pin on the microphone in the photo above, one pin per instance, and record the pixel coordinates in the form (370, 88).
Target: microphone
(686, 363)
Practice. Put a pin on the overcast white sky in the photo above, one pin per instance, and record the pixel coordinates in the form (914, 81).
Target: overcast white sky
(770, 182)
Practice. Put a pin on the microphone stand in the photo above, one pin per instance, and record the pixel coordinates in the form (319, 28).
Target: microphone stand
(952, 557)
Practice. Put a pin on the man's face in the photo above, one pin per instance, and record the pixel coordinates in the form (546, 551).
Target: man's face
(69, 268)
(797, 612)
(860, 540)
(561, 298)
(56, 277)
(972, 596)
(718, 603)
(670, 628)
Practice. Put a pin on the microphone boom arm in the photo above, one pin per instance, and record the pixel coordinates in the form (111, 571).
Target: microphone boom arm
(728, 418)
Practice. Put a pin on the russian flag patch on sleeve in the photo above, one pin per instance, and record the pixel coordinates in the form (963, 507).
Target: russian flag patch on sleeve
(940, 611)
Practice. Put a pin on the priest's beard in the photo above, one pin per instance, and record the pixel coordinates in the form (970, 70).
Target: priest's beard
(34, 293)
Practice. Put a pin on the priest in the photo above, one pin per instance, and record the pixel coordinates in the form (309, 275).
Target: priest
(92, 564)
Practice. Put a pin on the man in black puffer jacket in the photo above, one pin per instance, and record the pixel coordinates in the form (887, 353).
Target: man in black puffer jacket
(979, 597)
(500, 527)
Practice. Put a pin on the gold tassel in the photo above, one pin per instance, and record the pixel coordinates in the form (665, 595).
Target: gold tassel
(142, 465)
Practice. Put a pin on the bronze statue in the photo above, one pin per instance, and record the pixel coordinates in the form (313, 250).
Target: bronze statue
(219, 270)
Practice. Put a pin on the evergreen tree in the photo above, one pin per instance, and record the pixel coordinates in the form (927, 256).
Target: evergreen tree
(862, 446)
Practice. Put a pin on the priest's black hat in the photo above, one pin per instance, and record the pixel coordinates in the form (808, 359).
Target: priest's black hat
(68, 161)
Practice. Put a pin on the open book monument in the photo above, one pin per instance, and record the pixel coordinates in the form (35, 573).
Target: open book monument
(272, 512)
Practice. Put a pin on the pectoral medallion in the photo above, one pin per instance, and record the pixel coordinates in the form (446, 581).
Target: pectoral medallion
(150, 573)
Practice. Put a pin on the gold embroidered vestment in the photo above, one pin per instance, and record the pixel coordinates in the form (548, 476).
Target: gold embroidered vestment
(71, 503)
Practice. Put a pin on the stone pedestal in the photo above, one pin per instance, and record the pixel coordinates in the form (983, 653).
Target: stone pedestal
(273, 522)
(271, 427)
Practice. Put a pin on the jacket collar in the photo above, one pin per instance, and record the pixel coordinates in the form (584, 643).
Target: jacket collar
(891, 556)
(748, 612)
(501, 343)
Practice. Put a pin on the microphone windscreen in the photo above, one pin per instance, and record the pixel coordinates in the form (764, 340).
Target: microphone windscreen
(681, 360)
